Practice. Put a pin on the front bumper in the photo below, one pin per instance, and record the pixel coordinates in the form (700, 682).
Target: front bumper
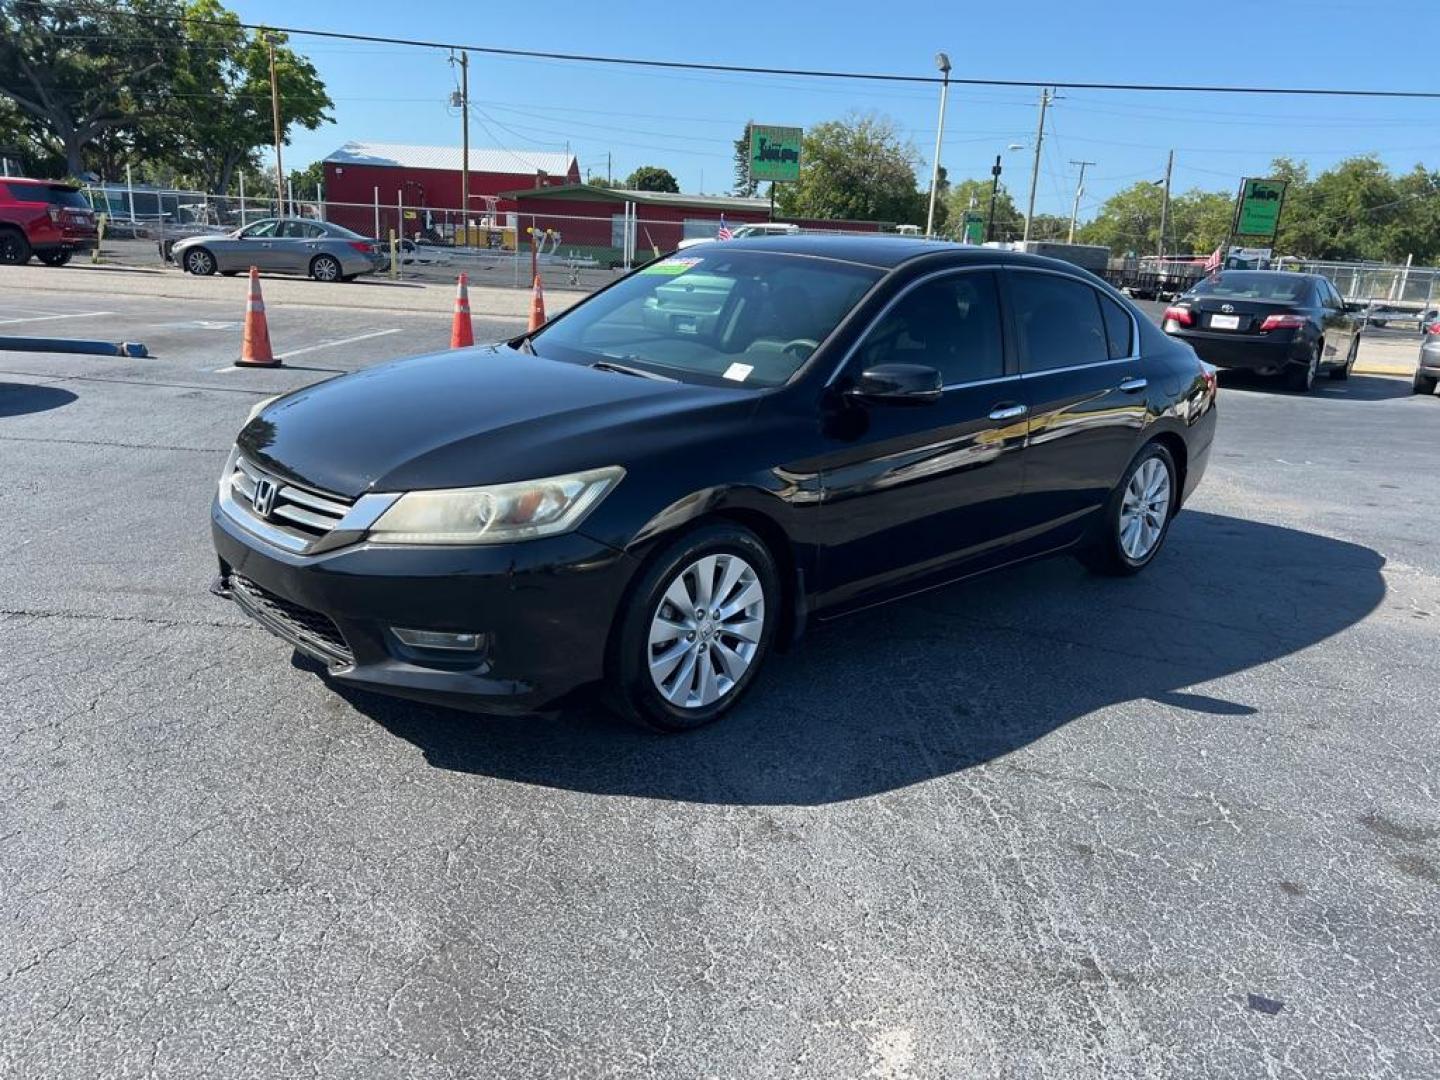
(1247, 353)
(546, 608)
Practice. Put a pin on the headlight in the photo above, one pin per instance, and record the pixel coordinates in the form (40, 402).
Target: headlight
(259, 407)
(499, 514)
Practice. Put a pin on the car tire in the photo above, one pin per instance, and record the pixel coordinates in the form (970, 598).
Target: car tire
(1423, 384)
(326, 268)
(660, 681)
(198, 261)
(54, 258)
(1342, 373)
(1301, 377)
(14, 248)
(1136, 519)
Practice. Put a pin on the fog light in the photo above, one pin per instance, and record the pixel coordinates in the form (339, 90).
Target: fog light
(437, 639)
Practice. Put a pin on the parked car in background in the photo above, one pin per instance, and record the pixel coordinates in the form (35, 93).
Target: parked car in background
(741, 232)
(1428, 318)
(1269, 321)
(318, 249)
(670, 479)
(1427, 368)
(48, 220)
(413, 254)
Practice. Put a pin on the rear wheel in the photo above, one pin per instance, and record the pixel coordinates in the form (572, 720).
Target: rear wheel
(697, 628)
(1301, 377)
(200, 262)
(1137, 515)
(1423, 384)
(325, 268)
(54, 258)
(14, 248)
(1343, 371)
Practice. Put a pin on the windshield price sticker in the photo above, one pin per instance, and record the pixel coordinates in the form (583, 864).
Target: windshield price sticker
(671, 267)
(739, 372)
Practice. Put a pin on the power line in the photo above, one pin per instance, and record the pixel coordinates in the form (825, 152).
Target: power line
(747, 69)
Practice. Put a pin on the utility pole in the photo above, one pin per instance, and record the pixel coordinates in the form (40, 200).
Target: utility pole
(943, 63)
(1035, 169)
(995, 171)
(275, 113)
(1165, 204)
(609, 170)
(462, 99)
(1079, 190)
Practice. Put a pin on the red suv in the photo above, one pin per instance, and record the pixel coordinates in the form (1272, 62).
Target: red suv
(49, 220)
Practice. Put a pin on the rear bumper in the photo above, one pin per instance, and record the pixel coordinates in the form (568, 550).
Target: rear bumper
(1429, 363)
(544, 606)
(1251, 354)
(79, 243)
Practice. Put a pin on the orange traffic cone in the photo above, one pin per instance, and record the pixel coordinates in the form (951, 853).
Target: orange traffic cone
(537, 306)
(462, 334)
(255, 348)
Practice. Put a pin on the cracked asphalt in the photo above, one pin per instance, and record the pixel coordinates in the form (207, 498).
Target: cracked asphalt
(1037, 825)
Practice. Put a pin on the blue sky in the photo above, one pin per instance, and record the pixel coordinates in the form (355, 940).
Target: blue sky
(686, 121)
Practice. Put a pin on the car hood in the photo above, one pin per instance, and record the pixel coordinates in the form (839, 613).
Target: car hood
(471, 416)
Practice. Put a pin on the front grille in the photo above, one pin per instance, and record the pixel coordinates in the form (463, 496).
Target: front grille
(309, 631)
(303, 514)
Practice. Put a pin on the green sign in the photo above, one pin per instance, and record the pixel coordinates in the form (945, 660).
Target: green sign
(1260, 202)
(973, 231)
(775, 153)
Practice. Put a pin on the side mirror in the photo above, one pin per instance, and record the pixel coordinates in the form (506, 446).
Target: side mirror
(898, 384)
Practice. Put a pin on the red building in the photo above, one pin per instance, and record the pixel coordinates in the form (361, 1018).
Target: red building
(423, 184)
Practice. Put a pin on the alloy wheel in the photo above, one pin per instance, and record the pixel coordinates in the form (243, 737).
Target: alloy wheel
(706, 630)
(325, 269)
(199, 262)
(1144, 508)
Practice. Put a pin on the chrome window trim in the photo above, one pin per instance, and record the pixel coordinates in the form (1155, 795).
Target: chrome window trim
(944, 271)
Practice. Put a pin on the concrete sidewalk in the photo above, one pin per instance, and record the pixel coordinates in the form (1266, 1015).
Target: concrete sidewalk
(372, 294)
(1386, 357)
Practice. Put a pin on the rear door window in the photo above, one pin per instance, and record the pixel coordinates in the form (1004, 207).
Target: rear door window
(1059, 320)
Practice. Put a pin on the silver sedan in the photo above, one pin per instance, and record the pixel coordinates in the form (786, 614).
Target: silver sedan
(318, 249)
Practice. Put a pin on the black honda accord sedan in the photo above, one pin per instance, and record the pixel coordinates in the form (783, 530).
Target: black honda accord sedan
(676, 476)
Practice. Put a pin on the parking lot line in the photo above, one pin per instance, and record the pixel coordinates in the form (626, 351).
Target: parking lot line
(46, 318)
(322, 345)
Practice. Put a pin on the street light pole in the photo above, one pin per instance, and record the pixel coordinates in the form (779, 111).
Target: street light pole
(943, 63)
(1035, 169)
(275, 115)
(1079, 190)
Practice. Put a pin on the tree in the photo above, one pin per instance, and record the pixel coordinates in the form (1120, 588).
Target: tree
(81, 72)
(652, 178)
(1128, 221)
(746, 185)
(224, 77)
(975, 195)
(856, 169)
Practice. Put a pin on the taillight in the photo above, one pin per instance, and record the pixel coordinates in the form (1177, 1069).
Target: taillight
(362, 246)
(1282, 322)
(1432, 328)
(1181, 315)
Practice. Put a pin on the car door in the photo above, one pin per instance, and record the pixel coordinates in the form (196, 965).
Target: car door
(912, 492)
(1087, 389)
(251, 246)
(292, 247)
(1339, 324)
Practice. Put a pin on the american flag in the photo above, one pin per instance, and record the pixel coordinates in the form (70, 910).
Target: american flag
(724, 233)
(1213, 263)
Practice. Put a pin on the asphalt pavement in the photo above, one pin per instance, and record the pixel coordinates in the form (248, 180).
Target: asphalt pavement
(1040, 824)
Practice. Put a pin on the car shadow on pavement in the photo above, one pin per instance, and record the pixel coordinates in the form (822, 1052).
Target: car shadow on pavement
(1355, 388)
(949, 680)
(21, 399)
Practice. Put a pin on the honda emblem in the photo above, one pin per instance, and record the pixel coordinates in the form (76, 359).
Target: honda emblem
(264, 498)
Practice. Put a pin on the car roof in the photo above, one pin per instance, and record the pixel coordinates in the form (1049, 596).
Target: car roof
(886, 251)
(40, 183)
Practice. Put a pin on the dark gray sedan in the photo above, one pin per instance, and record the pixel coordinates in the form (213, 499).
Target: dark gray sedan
(318, 249)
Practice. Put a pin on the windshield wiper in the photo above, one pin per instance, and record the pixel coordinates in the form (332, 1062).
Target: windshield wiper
(525, 346)
(626, 369)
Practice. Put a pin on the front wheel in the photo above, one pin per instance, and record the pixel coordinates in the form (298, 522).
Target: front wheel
(697, 628)
(1137, 515)
(325, 268)
(54, 258)
(199, 262)
(14, 248)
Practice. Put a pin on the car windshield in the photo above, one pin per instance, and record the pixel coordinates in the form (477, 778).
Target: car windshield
(724, 317)
(1253, 285)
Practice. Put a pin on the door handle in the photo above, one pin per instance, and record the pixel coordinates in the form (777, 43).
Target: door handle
(1008, 412)
(1133, 386)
